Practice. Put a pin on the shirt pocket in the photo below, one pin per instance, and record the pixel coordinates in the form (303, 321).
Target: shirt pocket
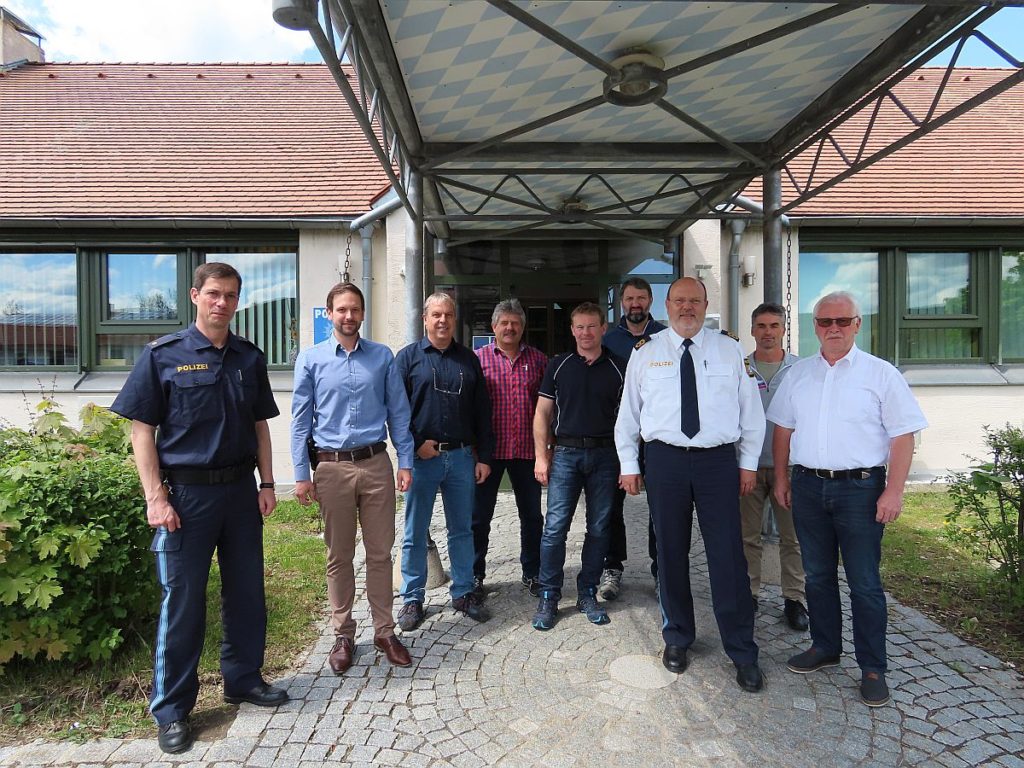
(195, 398)
(719, 377)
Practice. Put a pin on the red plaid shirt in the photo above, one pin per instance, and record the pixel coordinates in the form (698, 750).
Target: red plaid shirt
(513, 387)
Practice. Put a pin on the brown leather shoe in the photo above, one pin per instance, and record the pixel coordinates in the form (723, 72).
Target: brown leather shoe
(340, 657)
(392, 648)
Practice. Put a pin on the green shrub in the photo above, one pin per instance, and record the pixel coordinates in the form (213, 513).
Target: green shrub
(74, 561)
(988, 506)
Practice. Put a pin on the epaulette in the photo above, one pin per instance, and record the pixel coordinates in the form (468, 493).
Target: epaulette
(750, 371)
(640, 343)
(732, 336)
(163, 340)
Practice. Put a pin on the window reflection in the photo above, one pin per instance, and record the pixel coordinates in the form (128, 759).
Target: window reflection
(266, 310)
(938, 283)
(38, 309)
(823, 273)
(1011, 313)
(142, 286)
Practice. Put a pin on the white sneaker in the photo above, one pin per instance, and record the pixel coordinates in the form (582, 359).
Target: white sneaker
(611, 584)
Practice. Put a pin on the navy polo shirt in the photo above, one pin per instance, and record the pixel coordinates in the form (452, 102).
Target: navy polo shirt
(620, 340)
(204, 401)
(448, 395)
(586, 396)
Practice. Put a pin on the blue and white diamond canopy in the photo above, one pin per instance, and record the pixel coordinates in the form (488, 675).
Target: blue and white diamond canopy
(503, 104)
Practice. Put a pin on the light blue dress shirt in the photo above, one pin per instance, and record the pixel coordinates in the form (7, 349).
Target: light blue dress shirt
(345, 399)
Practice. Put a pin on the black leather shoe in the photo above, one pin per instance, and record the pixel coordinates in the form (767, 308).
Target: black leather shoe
(796, 615)
(263, 695)
(174, 737)
(749, 677)
(470, 606)
(674, 659)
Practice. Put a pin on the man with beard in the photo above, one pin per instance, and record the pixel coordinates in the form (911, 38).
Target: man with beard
(690, 398)
(636, 325)
(348, 396)
(513, 372)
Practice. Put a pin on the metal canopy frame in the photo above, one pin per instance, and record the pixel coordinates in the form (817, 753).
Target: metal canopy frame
(495, 186)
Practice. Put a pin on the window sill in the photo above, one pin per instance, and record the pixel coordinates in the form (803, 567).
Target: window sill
(99, 382)
(974, 374)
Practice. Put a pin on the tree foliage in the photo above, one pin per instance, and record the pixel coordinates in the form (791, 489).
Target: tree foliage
(74, 564)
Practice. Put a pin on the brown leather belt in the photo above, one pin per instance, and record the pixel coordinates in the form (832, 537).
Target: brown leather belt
(356, 454)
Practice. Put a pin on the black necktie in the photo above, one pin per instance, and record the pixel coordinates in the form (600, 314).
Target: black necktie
(688, 392)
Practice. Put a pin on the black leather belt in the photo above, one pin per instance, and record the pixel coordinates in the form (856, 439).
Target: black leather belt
(694, 448)
(859, 473)
(452, 445)
(586, 442)
(219, 476)
(356, 454)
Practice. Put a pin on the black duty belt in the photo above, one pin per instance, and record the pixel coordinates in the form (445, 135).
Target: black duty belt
(356, 454)
(219, 476)
(586, 442)
(858, 473)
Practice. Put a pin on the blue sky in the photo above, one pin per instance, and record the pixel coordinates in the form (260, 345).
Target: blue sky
(243, 30)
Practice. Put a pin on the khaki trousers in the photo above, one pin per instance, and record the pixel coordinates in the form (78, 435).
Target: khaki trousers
(751, 513)
(366, 489)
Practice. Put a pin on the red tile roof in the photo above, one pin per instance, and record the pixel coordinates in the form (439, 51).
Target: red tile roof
(180, 140)
(970, 167)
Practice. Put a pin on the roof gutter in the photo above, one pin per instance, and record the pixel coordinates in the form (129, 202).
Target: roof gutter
(908, 221)
(389, 203)
(174, 222)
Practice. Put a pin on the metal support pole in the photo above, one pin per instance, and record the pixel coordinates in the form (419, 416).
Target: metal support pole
(773, 277)
(367, 235)
(414, 261)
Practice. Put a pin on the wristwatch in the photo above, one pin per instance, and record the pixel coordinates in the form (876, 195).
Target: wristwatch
(271, 486)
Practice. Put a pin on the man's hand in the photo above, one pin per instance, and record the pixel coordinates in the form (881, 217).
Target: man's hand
(889, 506)
(404, 480)
(782, 491)
(481, 472)
(305, 492)
(630, 484)
(748, 481)
(267, 500)
(159, 512)
(429, 450)
(540, 470)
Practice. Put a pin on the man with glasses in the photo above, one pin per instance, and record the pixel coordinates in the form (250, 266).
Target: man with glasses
(451, 429)
(770, 363)
(575, 446)
(689, 396)
(199, 401)
(841, 416)
(513, 371)
(636, 325)
(348, 396)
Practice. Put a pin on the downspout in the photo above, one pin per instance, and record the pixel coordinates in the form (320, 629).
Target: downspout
(367, 234)
(414, 260)
(737, 226)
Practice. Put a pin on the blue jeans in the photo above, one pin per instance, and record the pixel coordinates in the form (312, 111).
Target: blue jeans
(453, 473)
(531, 519)
(595, 472)
(833, 517)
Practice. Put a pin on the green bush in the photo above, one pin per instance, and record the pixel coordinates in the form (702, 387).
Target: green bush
(988, 506)
(74, 561)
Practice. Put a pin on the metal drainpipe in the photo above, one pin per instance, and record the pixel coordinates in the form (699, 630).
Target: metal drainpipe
(737, 226)
(772, 237)
(367, 234)
(414, 261)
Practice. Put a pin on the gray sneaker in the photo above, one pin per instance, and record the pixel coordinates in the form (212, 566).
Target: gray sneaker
(611, 584)
(410, 616)
(587, 604)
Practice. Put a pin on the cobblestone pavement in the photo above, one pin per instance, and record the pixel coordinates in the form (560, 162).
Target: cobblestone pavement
(500, 693)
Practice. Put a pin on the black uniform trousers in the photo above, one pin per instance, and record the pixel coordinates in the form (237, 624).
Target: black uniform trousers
(676, 480)
(224, 517)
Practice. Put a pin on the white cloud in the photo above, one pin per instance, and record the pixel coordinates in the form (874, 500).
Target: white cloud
(159, 31)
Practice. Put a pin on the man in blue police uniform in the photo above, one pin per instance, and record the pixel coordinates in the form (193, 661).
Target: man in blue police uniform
(199, 401)
(690, 398)
(451, 429)
(348, 396)
(575, 448)
(635, 325)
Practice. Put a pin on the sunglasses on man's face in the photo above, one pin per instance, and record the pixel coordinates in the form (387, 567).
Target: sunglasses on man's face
(826, 322)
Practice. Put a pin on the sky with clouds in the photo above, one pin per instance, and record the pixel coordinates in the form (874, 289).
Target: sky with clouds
(244, 30)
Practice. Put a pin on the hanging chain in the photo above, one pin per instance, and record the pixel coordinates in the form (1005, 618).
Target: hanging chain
(345, 277)
(789, 288)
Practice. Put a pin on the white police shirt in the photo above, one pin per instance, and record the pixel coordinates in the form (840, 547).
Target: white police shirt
(729, 405)
(844, 416)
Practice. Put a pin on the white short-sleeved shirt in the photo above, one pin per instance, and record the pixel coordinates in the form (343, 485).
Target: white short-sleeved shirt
(728, 403)
(844, 416)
